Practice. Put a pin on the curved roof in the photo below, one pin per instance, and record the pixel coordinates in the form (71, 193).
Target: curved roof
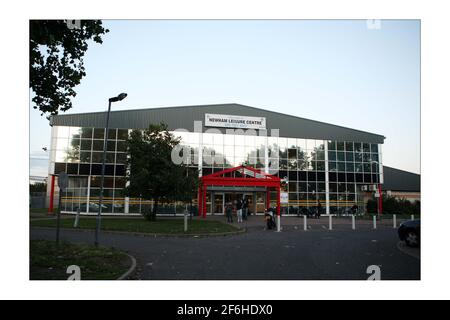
(183, 117)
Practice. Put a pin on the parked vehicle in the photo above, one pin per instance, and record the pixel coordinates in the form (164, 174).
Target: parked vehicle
(93, 207)
(409, 231)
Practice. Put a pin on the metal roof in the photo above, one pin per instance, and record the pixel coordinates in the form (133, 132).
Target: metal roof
(399, 180)
(183, 117)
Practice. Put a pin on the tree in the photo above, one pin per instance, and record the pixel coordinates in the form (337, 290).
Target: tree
(56, 61)
(371, 206)
(38, 187)
(152, 173)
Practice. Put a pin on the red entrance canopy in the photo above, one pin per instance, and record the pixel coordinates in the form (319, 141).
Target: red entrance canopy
(241, 176)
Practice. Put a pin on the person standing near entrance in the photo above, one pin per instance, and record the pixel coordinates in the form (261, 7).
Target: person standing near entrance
(354, 209)
(229, 212)
(244, 208)
(319, 209)
(239, 210)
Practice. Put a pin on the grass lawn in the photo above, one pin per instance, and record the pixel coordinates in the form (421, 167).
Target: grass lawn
(161, 225)
(49, 262)
(41, 213)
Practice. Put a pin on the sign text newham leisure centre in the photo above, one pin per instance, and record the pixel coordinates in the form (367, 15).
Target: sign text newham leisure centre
(233, 121)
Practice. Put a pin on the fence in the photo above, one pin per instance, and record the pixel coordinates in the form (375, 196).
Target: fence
(38, 200)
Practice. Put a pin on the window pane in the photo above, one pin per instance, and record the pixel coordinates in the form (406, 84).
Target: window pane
(62, 144)
(349, 157)
(72, 168)
(110, 157)
(86, 133)
(320, 155)
(121, 146)
(112, 134)
(60, 167)
(350, 167)
(349, 146)
(374, 148)
(97, 157)
(332, 166)
(111, 146)
(97, 145)
(99, 133)
(331, 155)
(85, 156)
(86, 144)
(366, 147)
(331, 145)
(122, 134)
(121, 158)
(358, 167)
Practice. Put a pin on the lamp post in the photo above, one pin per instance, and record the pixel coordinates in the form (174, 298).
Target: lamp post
(120, 97)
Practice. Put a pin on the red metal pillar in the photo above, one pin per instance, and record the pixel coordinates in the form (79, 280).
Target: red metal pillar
(204, 201)
(278, 200)
(52, 194)
(380, 199)
(199, 200)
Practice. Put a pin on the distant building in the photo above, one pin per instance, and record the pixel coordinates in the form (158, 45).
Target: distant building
(401, 184)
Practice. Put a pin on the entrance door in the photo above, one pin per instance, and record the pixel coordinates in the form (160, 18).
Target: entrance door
(251, 202)
(260, 202)
(219, 203)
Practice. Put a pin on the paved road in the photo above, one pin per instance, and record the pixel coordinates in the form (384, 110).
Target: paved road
(293, 254)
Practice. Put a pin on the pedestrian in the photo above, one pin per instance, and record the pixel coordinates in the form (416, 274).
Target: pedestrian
(354, 209)
(245, 208)
(239, 210)
(229, 212)
(319, 209)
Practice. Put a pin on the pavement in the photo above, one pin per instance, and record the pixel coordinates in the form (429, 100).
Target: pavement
(258, 254)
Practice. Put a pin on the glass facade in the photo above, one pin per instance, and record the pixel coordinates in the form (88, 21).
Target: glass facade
(329, 172)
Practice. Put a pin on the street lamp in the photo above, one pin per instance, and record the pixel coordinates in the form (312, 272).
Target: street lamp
(120, 97)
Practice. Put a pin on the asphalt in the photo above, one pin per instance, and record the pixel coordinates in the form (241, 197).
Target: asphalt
(293, 254)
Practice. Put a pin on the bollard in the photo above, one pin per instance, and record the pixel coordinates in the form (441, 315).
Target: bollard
(185, 221)
(77, 219)
(305, 223)
(330, 222)
(353, 222)
(374, 222)
(278, 223)
(412, 217)
(394, 219)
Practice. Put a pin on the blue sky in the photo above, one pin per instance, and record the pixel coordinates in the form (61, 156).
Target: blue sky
(336, 71)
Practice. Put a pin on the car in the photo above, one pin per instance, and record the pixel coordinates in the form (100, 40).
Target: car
(409, 231)
(93, 207)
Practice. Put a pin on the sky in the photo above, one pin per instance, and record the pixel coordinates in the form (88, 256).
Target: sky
(344, 72)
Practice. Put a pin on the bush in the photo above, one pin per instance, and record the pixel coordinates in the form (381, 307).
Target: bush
(392, 205)
(148, 213)
(371, 206)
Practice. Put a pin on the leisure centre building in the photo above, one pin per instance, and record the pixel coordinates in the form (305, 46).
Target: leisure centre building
(314, 162)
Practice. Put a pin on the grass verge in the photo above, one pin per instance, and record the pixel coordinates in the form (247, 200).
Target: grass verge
(41, 213)
(49, 261)
(160, 226)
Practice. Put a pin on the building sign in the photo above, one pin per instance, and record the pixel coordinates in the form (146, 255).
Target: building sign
(284, 197)
(231, 121)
